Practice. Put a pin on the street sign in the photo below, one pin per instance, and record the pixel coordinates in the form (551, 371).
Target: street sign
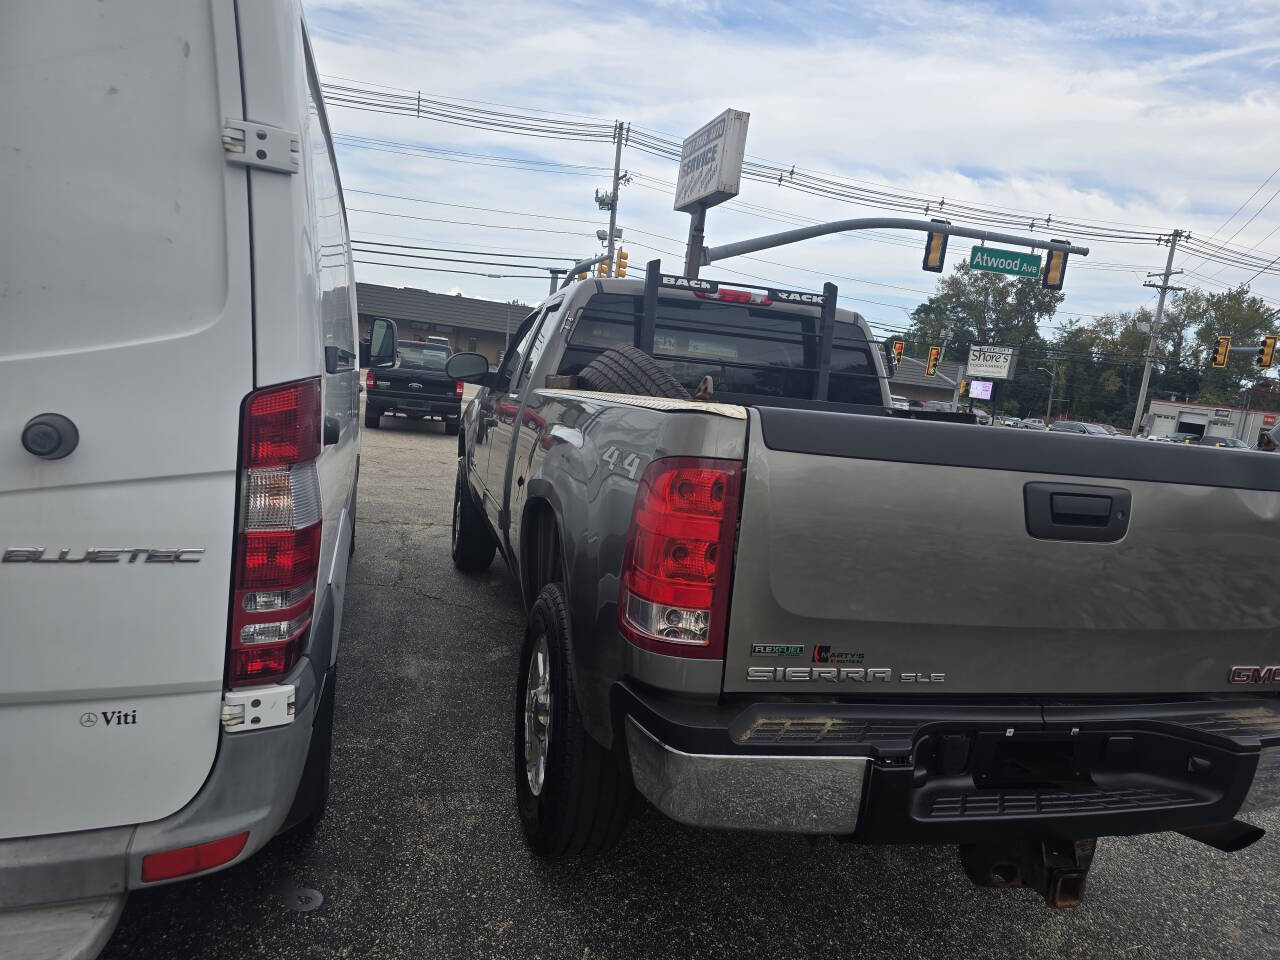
(980, 390)
(1005, 261)
(990, 363)
(711, 162)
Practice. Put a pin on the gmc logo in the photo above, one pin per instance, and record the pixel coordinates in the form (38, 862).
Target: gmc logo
(1255, 674)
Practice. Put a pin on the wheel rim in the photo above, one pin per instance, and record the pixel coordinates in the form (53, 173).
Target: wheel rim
(537, 715)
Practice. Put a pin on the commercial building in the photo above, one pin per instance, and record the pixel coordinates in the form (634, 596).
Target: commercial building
(910, 382)
(1164, 417)
(472, 325)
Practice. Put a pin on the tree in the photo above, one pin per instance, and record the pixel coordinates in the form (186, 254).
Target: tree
(1245, 319)
(973, 307)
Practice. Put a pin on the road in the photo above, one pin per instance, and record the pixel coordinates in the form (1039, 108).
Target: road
(421, 856)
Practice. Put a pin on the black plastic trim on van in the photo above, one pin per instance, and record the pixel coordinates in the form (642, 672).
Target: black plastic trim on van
(994, 448)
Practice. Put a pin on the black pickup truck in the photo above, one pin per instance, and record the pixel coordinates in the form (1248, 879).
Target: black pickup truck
(416, 386)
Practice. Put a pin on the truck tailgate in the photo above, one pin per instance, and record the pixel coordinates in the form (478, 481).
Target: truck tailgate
(885, 556)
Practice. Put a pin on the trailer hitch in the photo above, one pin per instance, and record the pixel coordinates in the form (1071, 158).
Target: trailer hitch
(1056, 869)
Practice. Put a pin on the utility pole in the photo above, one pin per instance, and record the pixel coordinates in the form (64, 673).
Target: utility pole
(1164, 288)
(617, 175)
(1053, 382)
(556, 274)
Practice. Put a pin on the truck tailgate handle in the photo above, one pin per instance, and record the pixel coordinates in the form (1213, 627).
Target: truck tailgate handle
(1085, 513)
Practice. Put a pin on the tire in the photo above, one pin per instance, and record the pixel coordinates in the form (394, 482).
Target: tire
(632, 371)
(451, 426)
(471, 544)
(311, 799)
(583, 798)
(372, 416)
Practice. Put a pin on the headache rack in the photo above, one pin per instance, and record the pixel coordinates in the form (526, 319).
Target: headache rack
(824, 303)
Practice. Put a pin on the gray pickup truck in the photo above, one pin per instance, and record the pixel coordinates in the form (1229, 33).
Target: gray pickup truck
(778, 607)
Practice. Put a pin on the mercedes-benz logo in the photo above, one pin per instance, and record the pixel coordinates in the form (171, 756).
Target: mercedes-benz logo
(88, 719)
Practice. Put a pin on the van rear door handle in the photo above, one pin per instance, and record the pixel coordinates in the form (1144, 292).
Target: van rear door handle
(1080, 512)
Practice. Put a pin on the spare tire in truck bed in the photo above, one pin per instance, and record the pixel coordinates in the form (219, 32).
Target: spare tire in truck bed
(630, 370)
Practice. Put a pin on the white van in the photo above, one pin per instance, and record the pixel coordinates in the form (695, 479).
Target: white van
(179, 449)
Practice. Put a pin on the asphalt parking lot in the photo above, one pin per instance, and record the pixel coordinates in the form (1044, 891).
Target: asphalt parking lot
(421, 856)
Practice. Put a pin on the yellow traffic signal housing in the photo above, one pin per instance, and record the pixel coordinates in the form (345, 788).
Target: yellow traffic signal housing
(1222, 351)
(1055, 268)
(1266, 352)
(620, 269)
(931, 366)
(935, 249)
(963, 385)
(602, 269)
(898, 347)
(582, 275)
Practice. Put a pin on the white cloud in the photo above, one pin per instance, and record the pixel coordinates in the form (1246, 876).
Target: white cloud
(1161, 114)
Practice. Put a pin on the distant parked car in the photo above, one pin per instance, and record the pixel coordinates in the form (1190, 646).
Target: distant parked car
(1035, 423)
(1183, 438)
(1068, 426)
(1096, 430)
(900, 403)
(1229, 443)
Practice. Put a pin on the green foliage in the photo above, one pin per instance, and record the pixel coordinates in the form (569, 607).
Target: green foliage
(1098, 363)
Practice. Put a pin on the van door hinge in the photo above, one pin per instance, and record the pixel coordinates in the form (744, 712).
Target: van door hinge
(257, 708)
(260, 145)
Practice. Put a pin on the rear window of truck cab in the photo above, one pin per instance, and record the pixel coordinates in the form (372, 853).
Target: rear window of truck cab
(423, 356)
(744, 348)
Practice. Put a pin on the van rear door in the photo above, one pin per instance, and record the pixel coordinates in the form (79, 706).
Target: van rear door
(125, 291)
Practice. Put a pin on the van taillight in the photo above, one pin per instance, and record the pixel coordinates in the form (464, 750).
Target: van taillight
(457, 390)
(278, 532)
(368, 379)
(674, 596)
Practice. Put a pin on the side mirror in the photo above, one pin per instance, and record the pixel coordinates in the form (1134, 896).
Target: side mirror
(380, 351)
(468, 367)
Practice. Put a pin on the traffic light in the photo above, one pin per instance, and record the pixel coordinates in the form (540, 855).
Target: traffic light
(582, 275)
(602, 269)
(963, 385)
(935, 249)
(931, 366)
(1266, 352)
(1222, 350)
(1055, 267)
(620, 270)
(898, 347)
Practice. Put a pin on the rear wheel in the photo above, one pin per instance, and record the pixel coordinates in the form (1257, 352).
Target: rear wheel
(572, 795)
(630, 370)
(312, 797)
(472, 544)
(372, 416)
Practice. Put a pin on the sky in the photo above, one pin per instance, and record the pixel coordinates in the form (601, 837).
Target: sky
(1157, 115)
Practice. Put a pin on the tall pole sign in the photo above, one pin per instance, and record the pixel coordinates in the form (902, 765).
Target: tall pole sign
(710, 173)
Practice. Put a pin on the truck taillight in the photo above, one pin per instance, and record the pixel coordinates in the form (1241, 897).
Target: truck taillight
(278, 532)
(457, 390)
(674, 595)
(368, 379)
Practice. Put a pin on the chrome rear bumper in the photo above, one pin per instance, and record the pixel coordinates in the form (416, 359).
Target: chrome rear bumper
(782, 794)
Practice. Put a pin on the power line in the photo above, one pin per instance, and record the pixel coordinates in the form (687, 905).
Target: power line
(486, 253)
(1239, 208)
(467, 223)
(473, 273)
